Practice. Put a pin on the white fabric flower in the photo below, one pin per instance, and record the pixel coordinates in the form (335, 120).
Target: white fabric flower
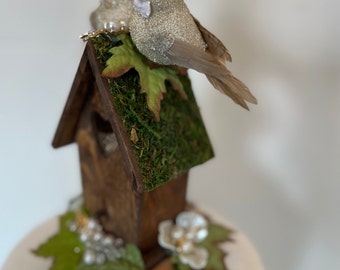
(183, 237)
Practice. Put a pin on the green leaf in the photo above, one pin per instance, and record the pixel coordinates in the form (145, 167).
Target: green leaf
(133, 255)
(152, 80)
(178, 265)
(216, 234)
(65, 247)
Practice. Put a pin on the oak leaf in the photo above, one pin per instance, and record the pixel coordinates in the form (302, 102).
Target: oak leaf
(152, 80)
(64, 247)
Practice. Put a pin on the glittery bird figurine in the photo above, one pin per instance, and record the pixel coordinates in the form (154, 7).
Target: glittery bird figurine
(166, 33)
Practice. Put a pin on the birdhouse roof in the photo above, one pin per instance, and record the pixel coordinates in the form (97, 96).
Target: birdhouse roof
(161, 150)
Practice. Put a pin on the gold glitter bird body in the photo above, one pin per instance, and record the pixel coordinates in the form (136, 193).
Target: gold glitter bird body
(166, 33)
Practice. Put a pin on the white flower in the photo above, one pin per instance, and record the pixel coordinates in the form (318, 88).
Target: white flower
(183, 237)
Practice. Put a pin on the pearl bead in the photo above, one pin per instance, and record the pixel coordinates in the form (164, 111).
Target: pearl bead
(177, 232)
(201, 234)
(113, 254)
(83, 236)
(118, 242)
(73, 227)
(187, 246)
(100, 258)
(92, 224)
(107, 241)
(97, 236)
(89, 257)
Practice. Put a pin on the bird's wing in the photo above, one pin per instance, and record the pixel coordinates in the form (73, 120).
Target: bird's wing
(188, 56)
(215, 46)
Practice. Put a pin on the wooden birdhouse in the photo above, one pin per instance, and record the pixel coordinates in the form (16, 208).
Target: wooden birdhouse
(134, 168)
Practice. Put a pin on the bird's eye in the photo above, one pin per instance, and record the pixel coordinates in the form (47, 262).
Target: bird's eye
(142, 7)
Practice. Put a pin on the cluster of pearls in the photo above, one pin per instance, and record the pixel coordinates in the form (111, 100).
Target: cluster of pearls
(99, 246)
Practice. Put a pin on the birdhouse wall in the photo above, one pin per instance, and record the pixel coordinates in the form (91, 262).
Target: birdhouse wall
(165, 202)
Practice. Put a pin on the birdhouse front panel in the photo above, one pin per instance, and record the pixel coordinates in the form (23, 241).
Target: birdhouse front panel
(107, 185)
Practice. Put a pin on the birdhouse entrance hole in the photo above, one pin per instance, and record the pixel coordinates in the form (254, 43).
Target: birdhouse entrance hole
(105, 136)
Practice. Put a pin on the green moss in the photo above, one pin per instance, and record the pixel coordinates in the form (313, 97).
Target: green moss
(167, 148)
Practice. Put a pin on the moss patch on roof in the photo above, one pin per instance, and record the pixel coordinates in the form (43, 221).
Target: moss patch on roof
(163, 149)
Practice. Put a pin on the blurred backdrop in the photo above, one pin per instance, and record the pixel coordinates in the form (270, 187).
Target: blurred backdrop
(276, 172)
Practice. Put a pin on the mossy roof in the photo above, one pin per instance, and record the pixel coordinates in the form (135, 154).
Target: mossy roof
(163, 149)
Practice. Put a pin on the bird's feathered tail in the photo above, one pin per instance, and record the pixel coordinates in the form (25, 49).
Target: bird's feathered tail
(235, 89)
(215, 46)
(186, 55)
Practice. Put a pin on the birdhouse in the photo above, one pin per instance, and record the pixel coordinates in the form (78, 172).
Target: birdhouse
(134, 167)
